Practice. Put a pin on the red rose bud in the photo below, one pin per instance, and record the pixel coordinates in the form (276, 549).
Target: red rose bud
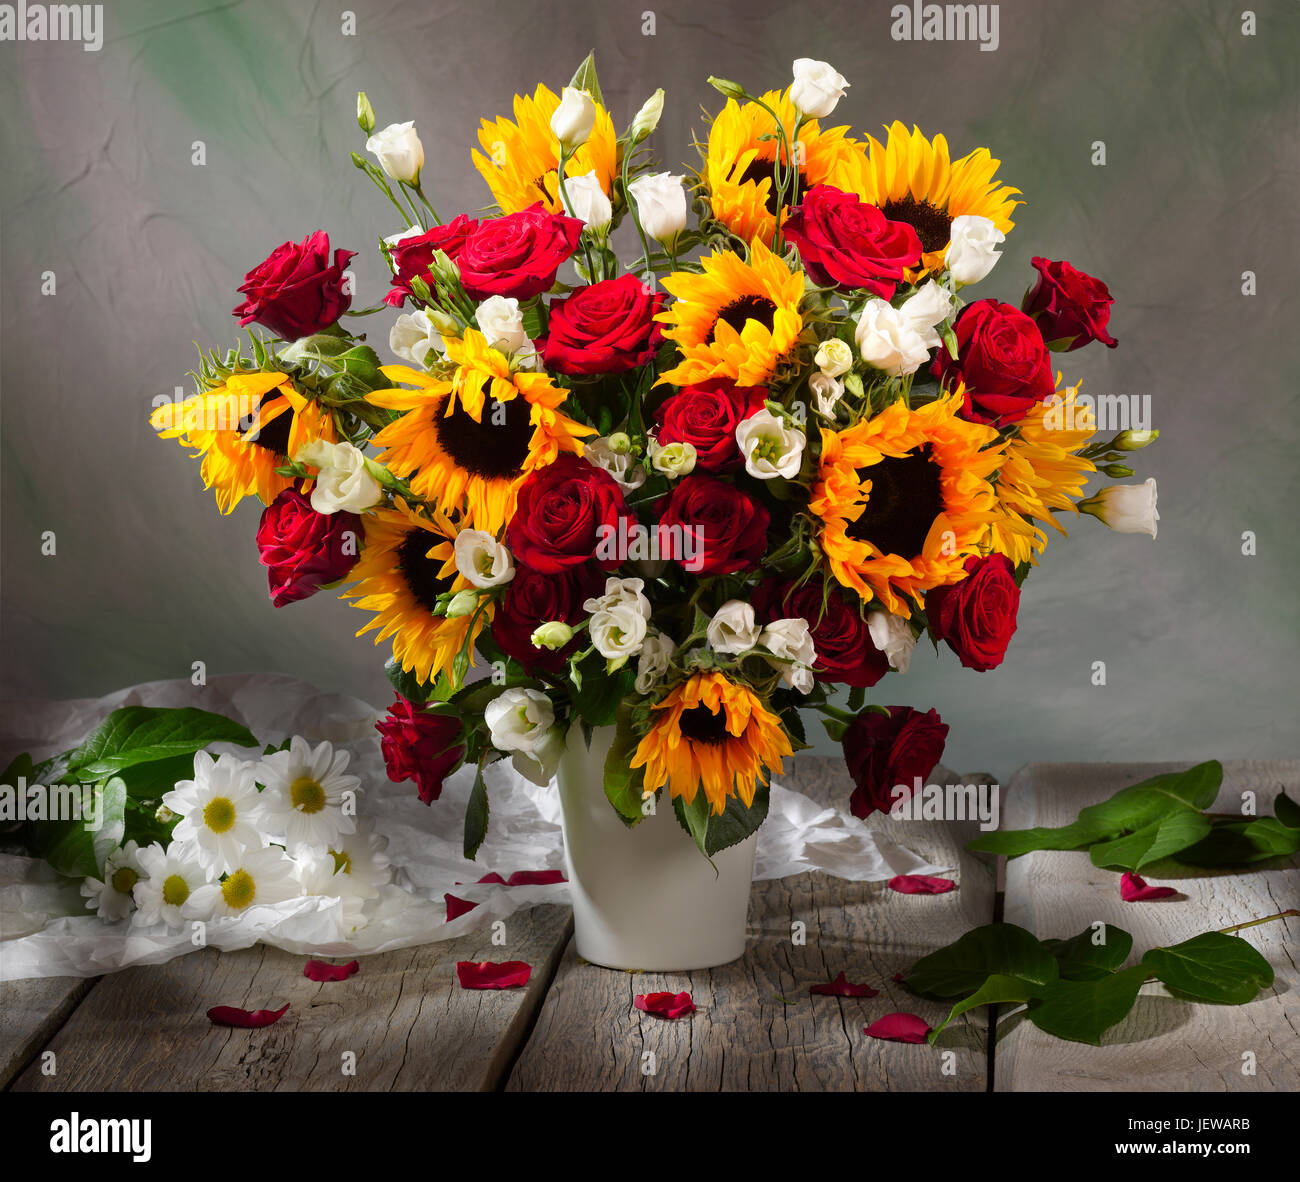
(608, 327)
(884, 751)
(848, 244)
(977, 616)
(1070, 307)
(1002, 361)
(419, 746)
(533, 598)
(297, 291)
(706, 416)
(303, 550)
(413, 257)
(845, 651)
(517, 255)
(728, 528)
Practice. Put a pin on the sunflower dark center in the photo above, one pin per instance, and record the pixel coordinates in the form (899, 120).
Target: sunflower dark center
(493, 448)
(760, 169)
(420, 571)
(701, 725)
(746, 308)
(932, 224)
(904, 500)
(274, 436)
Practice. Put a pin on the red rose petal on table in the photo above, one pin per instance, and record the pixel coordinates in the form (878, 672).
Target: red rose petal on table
(842, 987)
(457, 907)
(665, 1005)
(488, 974)
(920, 884)
(899, 978)
(322, 970)
(252, 1019)
(899, 1028)
(1133, 889)
(493, 876)
(535, 877)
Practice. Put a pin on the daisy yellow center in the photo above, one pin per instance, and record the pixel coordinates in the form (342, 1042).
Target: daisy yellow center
(238, 890)
(306, 795)
(124, 880)
(175, 890)
(219, 814)
(748, 307)
(342, 861)
(493, 447)
(904, 500)
(422, 573)
(932, 225)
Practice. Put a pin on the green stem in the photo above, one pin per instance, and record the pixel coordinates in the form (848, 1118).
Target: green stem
(1253, 923)
(419, 192)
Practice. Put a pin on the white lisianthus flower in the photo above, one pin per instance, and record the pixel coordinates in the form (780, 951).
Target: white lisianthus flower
(827, 392)
(652, 665)
(541, 764)
(892, 635)
(887, 341)
(403, 235)
(733, 628)
(818, 87)
(618, 632)
(343, 483)
(170, 876)
(308, 797)
(518, 719)
(660, 205)
(834, 358)
(793, 653)
(220, 809)
(413, 335)
(970, 255)
(399, 151)
(553, 635)
(621, 465)
(586, 201)
(925, 309)
(483, 560)
(1125, 508)
(502, 323)
(619, 592)
(672, 459)
(260, 877)
(772, 447)
(574, 118)
(113, 897)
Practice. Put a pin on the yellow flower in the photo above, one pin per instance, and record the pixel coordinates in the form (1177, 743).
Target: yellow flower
(714, 734)
(738, 320)
(905, 499)
(520, 161)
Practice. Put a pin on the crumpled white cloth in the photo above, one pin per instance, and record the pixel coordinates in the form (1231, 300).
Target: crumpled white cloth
(46, 931)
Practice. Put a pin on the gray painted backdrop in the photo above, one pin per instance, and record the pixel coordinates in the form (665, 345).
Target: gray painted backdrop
(1200, 185)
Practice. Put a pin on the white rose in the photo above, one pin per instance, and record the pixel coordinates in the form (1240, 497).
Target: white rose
(1126, 508)
(483, 560)
(586, 201)
(817, 88)
(733, 628)
(574, 118)
(618, 593)
(413, 335)
(502, 324)
(827, 391)
(618, 632)
(518, 719)
(771, 446)
(834, 358)
(793, 651)
(672, 459)
(660, 205)
(970, 255)
(892, 635)
(656, 654)
(342, 484)
(887, 341)
(928, 307)
(621, 465)
(399, 150)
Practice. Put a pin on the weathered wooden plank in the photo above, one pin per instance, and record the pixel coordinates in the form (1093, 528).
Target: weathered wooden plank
(1165, 1043)
(744, 1036)
(403, 1016)
(30, 1012)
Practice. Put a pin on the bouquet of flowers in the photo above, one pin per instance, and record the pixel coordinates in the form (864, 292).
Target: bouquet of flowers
(684, 497)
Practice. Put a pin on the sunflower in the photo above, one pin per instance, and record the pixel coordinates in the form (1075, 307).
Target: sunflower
(742, 148)
(713, 734)
(408, 561)
(522, 160)
(912, 180)
(1041, 471)
(245, 430)
(905, 498)
(738, 320)
(469, 441)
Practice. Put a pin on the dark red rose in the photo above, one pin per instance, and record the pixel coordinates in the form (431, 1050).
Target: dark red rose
(297, 291)
(517, 255)
(845, 652)
(884, 751)
(530, 600)
(706, 416)
(608, 327)
(419, 746)
(728, 527)
(849, 244)
(1002, 360)
(977, 616)
(413, 257)
(565, 511)
(1069, 306)
(303, 550)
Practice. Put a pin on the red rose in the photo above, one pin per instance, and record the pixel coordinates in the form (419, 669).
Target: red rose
(845, 651)
(419, 746)
(517, 255)
(706, 416)
(848, 244)
(1069, 306)
(565, 511)
(303, 550)
(1002, 360)
(608, 327)
(977, 617)
(883, 752)
(533, 598)
(297, 291)
(728, 528)
(413, 257)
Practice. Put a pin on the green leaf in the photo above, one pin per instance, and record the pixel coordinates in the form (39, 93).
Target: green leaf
(737, 821)
(1160, 839)
(78, 847)
(1211, 967)
(999, 989)
(964, 966)
(1082, 1011)
(1287, 811)
(584, 78)
(1012, 843)
(694, 818)
(148, 781)
(1241, 843)
(139, 734)
(598, 695)
(476, 815)
(1080, 959)
(20, 766)
(623, 785)
(407, 684)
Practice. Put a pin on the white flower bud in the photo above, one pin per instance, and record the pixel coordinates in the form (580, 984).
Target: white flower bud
(343, 483)
(733, 628)
(573, 119)
(970, 255)
(834, 358)
(817, 87)
(887, 341)
(553, 635)
(399, 151)
(1126, 508)
(660, 205)
(585, 200)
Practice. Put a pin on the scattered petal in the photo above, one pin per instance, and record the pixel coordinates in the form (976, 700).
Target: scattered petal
(322, 970)
(488, 974)
(535, 877)
(457, 907)
(842, 987)
(493, 876)
(252, 1019)
(1133, 889)
(899, 978)
(665, 1005)
(899, 1028)
(920, 884)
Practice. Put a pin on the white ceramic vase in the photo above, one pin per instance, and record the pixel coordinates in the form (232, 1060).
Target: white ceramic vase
(645, 897)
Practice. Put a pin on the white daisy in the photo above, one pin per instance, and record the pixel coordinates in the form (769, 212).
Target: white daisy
(361, 859)
(308, 797)
(173, 875)
(321, 874)
(262, 876)
(111, 897)
(220, 812)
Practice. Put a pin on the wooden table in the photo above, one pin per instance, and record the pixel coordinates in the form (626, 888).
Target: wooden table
(403, 1023)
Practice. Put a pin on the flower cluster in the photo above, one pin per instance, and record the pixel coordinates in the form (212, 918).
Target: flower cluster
(688, 496)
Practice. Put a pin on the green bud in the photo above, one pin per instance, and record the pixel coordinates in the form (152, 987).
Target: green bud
(727, 88)
(647, 118)
(620, 443)
(1134, 440)
(449, 326)
(554, 634)
(365, 113)
(463, 603)
(1117, 470)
